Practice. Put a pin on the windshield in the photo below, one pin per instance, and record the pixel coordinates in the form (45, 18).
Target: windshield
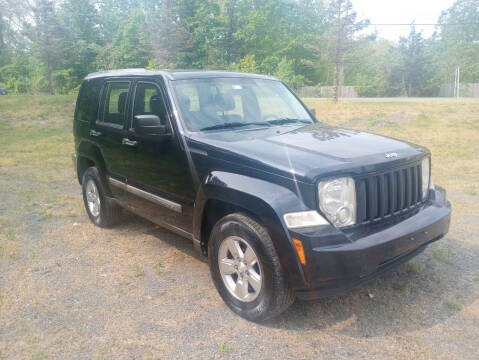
(226, 103)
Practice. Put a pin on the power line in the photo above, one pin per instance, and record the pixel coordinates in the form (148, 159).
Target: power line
(414, 24)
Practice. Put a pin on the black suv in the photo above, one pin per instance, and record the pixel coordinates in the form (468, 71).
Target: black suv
(282, 204)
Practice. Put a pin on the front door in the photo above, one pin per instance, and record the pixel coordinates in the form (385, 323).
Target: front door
(158, 176)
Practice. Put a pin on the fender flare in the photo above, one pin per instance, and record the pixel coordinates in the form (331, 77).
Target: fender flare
(265, 200)
(91, 151)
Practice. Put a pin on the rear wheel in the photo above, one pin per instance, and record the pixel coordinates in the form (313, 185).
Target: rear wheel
(101, 210)
(246, 270)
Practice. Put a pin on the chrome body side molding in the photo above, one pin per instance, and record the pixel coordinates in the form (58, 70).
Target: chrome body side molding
(147, 196)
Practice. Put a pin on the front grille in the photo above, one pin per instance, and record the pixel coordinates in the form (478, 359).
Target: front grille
(389, 193)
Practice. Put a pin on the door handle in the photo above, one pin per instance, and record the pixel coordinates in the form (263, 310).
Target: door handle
(95, 133)
(129, 142)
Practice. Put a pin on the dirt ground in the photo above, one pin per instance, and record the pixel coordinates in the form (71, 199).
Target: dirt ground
(69, 290)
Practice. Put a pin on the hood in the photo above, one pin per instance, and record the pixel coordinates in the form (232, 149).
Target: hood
(308, 152)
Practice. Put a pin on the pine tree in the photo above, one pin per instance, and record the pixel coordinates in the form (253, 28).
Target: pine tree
(343, 24)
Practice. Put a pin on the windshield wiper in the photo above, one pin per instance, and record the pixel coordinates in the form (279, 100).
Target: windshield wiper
(231, 125)
(285, 120)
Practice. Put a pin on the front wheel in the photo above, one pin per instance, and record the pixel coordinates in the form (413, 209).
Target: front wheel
(246, 270)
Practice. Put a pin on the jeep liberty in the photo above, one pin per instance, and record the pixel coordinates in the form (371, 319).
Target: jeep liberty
(282, 204)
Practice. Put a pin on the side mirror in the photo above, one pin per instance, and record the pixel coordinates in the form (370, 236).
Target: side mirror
(312, 111)
(148, 126)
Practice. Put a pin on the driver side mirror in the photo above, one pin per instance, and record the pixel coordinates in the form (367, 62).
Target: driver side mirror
(149, 126)
(312, 111)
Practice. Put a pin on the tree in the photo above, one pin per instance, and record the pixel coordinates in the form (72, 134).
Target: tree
(129, 47)
(287, 73)
(247, 64)
(368, 67)
(168, 40)
(80, 19)
(458, 44)
(414, 64)
(343, 24)
(49, 39)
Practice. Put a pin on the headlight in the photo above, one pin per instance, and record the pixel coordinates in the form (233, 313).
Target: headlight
(426, 175)
(337, 200)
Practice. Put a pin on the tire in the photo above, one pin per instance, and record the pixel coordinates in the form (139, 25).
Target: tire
(106, 213)
(274, 295)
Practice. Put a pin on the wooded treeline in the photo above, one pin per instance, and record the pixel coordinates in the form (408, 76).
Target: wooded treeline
(49, 46)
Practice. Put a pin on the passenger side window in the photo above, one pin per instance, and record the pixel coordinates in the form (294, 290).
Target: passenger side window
(115, 103)
(148, 101)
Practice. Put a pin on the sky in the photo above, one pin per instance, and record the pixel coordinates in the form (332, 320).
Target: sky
(401, 11)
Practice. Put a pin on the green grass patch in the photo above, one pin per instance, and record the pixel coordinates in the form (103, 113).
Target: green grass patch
(138, 271)
(451, 305)
(444, 256)
(8, 239)
(470, 190)
(223, 349)
(39, 356)
(159, 268)
(416, 268)
(399, 286)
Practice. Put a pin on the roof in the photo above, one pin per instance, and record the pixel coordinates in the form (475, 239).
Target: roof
(174, 74)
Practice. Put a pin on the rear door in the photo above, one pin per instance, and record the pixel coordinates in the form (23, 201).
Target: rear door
(109, 129)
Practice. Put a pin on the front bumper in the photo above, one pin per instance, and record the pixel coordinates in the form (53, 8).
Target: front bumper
(339, 261)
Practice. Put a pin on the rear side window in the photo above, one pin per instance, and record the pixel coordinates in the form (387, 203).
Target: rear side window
(115, 103)
(87, 102)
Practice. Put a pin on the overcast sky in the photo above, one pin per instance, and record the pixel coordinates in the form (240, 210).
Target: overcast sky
(401, 11)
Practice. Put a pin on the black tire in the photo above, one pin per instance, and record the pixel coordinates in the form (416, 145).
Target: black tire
(109, 212)
(275, 295)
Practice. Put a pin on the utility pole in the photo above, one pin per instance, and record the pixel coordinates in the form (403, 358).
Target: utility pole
(343, 26)
(457, 82)
(338, 52)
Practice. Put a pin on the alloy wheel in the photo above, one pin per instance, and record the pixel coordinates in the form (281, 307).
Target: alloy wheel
(93, 198)
(240, 269)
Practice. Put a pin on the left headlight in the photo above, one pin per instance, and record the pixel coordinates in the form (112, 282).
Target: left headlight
(426, 176)
(337, 200)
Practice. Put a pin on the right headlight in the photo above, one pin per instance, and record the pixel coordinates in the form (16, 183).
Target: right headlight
(337, 200)
(426, 176)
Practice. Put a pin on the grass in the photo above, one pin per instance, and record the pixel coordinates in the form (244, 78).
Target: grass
(451, 305)
(39, 356)
(159, 268)
(27, 139)
(138, 271)
(470, 190)
(8, 243)
(223, 349)
(415, 268)
(444, 255)
(400, 286)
